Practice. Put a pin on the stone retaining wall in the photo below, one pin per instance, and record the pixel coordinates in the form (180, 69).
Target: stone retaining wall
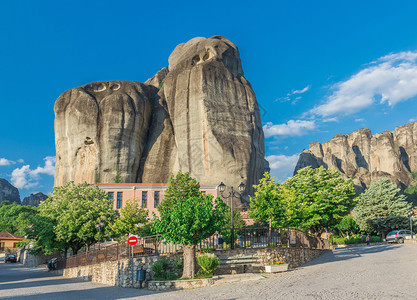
(116, 273)
(119, 273)
(180, 284)
(265, 256)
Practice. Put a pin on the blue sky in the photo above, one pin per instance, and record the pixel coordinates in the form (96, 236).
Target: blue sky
(318, 68)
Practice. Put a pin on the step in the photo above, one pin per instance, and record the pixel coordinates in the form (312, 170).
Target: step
(238, 261)
(235, 257)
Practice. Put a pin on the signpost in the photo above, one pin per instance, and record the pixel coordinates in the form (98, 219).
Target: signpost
(132, 241)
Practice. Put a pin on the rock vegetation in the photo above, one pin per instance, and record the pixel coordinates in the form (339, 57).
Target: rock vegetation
(8, 192)
(364, 157)
(198, 115)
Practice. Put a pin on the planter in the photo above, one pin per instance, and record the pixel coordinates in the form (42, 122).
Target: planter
(276, 268)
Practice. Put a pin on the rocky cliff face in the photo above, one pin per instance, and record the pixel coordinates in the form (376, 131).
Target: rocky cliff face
(364, 157)
(34, 199)
(8, 192)
(101, 130)
(198, 115)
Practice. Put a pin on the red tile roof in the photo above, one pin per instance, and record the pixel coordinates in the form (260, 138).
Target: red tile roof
(8, 235)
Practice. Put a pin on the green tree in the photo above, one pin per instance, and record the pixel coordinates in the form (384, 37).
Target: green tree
(130, 216)
(347, 224)
(181, 185)
(72, 210)
(381, 200)
(238, 223)
(267, 205)
(411, 191)
(15, 218)
(318, 199)
(188, 219)
(43, 234)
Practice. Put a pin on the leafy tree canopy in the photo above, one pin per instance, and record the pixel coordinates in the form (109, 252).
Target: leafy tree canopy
(269, 203)
(14, 218)
(73, 210)
(131, 215)
(181, 185)
(318, 199)
(190, 220)
(188, 217)
(381, 200)
(347, 224)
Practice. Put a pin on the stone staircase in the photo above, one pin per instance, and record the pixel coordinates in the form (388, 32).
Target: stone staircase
(239, 264)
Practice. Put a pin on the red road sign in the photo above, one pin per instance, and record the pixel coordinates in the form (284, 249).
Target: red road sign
(132, 240)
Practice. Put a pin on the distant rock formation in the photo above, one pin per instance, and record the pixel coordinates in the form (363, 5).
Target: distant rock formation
(364, 157)
(199, 115)
(34, 199)
(8, 192)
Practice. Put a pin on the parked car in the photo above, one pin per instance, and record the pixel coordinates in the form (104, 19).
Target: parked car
(398, 236)
(10, 258)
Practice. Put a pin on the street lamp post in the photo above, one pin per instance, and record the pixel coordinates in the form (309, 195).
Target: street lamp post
(99, 226)
(410, 214)
(221, 188)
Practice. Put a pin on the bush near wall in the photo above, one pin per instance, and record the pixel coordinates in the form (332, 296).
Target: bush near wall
(355, 239)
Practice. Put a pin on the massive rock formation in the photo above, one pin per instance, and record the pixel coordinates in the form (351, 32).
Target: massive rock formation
(364, 157)
(8, 192)
(101, 130)
(34, 199)
(199, 115)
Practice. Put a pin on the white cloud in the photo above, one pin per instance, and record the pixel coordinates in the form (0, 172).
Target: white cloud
(390, 79)
(360, 120)
(282, 166)
(6, 162)
(302, 91)
(297, 127)
(26, 178)
(327, 120)
(21, 161)
(294, 92)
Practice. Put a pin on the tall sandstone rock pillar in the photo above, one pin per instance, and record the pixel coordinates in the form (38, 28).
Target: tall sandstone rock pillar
(101, 130)
(199, 115)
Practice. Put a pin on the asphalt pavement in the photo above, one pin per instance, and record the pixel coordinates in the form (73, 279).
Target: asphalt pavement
(365, 272)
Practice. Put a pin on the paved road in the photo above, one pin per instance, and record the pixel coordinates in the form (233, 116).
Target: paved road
(373, 272)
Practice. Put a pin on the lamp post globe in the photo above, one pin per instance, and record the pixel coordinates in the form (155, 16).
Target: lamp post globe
(221, 187)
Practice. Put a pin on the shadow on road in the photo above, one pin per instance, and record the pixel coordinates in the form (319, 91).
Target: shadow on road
(18, 282)
(349, 253)
(92, 293)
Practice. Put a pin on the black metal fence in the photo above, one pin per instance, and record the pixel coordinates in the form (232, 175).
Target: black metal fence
(225, 239)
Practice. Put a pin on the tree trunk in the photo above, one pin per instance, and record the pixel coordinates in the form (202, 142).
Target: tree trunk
(189, 261)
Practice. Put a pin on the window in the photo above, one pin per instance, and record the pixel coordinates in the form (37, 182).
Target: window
(144, 199)
(111, 197)
(156, 198)
(119, 200)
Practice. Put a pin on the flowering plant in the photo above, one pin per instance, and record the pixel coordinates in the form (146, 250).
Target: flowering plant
(279, 262)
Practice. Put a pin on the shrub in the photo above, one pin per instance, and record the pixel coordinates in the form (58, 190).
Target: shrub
(248, 244)
(272, 244)
(202, 274)
(178, 266)
(355, 239)
(209, 263)
(160, 269)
